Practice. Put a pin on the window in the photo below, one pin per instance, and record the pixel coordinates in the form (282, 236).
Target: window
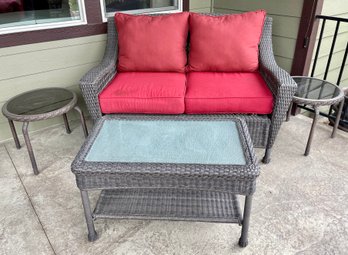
(140, 6)
(19, 15)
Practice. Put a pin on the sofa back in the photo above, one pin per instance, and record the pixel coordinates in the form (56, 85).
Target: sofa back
(111, 51)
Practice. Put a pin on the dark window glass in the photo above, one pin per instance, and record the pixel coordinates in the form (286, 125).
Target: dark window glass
(31, 12)
(140, 5)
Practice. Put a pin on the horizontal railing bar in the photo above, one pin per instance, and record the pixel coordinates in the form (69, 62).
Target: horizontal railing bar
(332, 18)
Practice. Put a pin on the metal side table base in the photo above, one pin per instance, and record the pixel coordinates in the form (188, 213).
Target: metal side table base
(82, 120)
(311, 133)
(14, 134)
(29, 147)
(338, 117)
(40, 104)
(66, 124)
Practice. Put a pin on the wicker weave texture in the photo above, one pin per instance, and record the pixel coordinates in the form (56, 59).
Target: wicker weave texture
(168, 204)
(279, 81)
(238, 179)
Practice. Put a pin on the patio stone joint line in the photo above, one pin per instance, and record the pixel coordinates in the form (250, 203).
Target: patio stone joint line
(31, 202)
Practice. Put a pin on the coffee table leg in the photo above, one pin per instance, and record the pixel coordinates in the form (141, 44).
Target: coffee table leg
(29, 148)
(338, 117)
(14, 134)
(83, 121)
(92, 234)
(310, 138)
(243, 240)
(66, 123)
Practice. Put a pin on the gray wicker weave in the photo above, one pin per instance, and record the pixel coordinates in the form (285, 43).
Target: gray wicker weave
(172, 191)
(279, 81)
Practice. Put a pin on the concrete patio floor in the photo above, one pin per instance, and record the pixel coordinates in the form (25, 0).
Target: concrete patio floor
(300, 205)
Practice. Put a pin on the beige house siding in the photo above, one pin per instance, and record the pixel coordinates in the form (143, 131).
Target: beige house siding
(286, 19)
(201, 5)
(52, 64)
(336, 8)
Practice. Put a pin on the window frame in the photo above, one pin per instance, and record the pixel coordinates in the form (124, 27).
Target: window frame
(49, 25)
(106, 15)
(94, 26)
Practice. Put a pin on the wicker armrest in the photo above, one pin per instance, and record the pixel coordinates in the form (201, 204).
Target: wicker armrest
(279, 82)
(275, 77)
(93, 82)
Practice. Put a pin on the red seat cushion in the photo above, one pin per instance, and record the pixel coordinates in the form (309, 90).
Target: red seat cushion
(227, 43)
(137, 92)
(152, 43)
(209, 92)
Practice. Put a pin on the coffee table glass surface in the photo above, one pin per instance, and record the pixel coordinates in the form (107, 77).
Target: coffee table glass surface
(157, 141)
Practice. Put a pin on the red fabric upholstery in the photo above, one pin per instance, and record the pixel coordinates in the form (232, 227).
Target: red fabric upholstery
(138, 92)
(152, 43)
(209, 92)
(226, 43)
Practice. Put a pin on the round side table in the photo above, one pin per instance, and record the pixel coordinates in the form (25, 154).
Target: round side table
(315, 92)
(37, 105)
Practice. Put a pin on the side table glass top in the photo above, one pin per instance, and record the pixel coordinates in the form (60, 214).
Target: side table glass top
(179, 142)
(313, 89)
(39, 101)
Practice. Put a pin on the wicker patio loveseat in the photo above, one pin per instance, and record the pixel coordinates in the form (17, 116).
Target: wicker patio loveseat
(109, 89)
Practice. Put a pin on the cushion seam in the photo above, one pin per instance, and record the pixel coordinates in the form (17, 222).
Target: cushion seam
(112, 98)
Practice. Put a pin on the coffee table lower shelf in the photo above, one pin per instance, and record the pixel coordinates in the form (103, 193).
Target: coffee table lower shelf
(168, 204)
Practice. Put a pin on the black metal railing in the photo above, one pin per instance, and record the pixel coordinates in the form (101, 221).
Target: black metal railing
(339, 21)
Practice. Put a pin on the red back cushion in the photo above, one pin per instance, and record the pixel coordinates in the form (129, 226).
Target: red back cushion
(226, 43)
(152, 43)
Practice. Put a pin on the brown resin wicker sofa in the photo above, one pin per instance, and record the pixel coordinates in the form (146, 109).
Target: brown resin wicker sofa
(263, 128)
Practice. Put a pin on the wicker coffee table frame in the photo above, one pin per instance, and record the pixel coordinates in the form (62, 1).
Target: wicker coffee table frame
(43, 116)
(213, 186)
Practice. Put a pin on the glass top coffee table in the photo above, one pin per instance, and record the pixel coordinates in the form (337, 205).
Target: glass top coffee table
(37, 105)
(169, 168)
(315, 92)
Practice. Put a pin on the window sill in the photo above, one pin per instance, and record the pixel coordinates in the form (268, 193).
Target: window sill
(44, 26)
(51, 34)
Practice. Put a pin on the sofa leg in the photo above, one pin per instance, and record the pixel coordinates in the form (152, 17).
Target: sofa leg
(267, 158)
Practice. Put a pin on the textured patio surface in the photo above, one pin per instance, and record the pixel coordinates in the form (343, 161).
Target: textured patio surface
(300, 206)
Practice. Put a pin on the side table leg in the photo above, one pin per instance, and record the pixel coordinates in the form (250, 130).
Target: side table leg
(83, 121)
(92, 234)
(243, 240)
(29, 148)
(66, 123)
(338, 117)
(289, 112)
(14, 134)
(310, 138)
